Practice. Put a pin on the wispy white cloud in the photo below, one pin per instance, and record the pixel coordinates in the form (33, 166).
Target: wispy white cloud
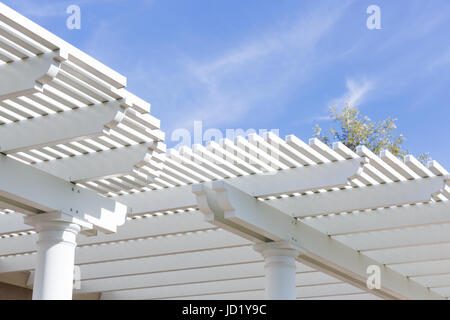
(356, 93)
(229, 86)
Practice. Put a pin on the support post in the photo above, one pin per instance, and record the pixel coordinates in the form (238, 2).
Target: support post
(55, 255)
(279, 269)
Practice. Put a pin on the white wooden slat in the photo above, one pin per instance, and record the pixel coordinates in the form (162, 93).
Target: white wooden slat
(223, 287)
(260, 153)
(400, 255)
(324, 150)
(134, 229)
(436, 168)
(398, 165)
(24, 26)
(13, 49)
(379, 164)
(344, 151)
(83, 87)
(306, 150)
(382, 240)
(172, 262)
(375, 174)
(126, 250)
(273, 149)
(417, 167)
(351, 296)
(20, 40)
(383, 195)
(445, 291)
(418, 269)
(12, 223)
(239, 156)
(12, 108)
(187, 276)
(285, 148)
(434, 281)
(228, 167)
(385, 219)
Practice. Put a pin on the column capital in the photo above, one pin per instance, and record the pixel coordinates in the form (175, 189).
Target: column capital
(279, 268)
(276, 248)
(56, 243)
(40, 221)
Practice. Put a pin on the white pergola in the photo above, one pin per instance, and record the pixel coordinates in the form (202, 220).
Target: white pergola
(86, 180)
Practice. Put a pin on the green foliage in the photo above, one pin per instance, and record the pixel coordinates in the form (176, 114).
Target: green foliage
(354, 129)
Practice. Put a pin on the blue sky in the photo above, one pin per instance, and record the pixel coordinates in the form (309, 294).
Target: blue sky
(272, 64)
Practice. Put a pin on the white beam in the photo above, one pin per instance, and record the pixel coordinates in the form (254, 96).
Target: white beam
(172, 262)
(71, 125)
(125, 250)
(361, 198)
(210, 274)
(134, 229)
(409, 237)
(97, 165)
(317, 249)
(27, 76)
(292, 180)
(47, 39)
(218, 288)
(384, 219)
(12, 223)
(400, 255)
(326, 175)
(40, 192)
(419, 269)
(333, 293)
(160, 200)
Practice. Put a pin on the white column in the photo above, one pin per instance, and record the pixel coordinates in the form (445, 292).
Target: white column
(53, 276)
(279, 269)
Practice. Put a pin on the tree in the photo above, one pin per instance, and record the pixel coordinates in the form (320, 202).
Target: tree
(355, 129)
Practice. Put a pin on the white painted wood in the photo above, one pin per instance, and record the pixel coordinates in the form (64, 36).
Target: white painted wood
(408, 237)
(220, 288)
(12, 223)
(383, 219)
(42, 192)
(383, 195)
(45, 38)
(97, 165)
(398, 255)
(26, 77)
(53, 275)
(279, 269)
(186, 276)
(316, 249)
(74, 125)
(134, 229)
(126, 250)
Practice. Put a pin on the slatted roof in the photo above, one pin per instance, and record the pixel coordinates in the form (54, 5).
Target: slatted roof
(66, 114)
(188, 251)
(58, 103)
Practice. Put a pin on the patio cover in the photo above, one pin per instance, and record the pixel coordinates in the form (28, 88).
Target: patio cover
(80, 151)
